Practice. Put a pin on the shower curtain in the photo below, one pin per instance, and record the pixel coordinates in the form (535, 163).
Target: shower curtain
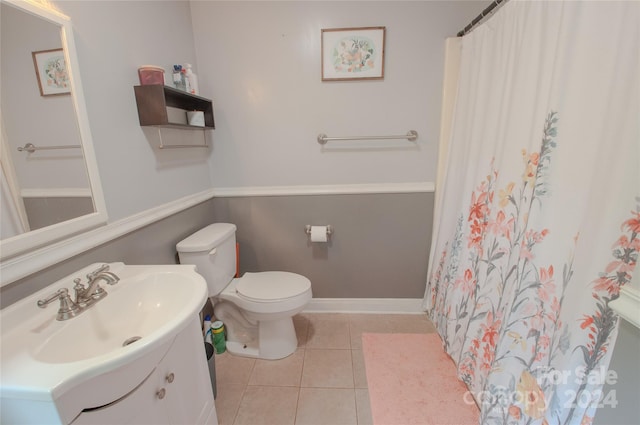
(13, 218)
(539, 212)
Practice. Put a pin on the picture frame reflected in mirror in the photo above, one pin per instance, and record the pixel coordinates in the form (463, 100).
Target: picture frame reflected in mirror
(51, 72)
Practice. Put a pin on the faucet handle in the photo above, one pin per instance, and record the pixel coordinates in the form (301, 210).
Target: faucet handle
(68, 308)
(59, 294)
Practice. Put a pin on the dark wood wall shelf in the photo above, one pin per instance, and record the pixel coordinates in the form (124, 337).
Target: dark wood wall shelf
(153, 100)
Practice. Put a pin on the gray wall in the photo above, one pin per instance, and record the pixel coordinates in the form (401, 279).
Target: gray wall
(379, 248)
(44, 211)
(625, 362)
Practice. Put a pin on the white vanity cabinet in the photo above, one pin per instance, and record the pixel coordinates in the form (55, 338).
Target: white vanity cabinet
(177, 392)
(135, 357)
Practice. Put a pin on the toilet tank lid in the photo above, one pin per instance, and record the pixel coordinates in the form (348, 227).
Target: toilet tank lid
(207, 238)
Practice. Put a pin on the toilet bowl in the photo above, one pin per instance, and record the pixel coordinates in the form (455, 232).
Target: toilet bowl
(257, 308)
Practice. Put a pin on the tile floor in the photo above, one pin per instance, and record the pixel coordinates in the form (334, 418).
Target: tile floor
(323, 382)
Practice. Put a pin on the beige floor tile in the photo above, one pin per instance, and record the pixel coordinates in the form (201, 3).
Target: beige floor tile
(268, 406)
(359, 371)
(232, 369)
(285, 372)
(327, 369)
(363, 407)
(318, 406)
(328, 331)
(301, 323)
(227, 402)
(325, 379)
(367, 323)
(411, 323)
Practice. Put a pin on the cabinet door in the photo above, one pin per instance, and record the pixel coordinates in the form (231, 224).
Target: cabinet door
(177, 392)
(185, 378)
(140, 406)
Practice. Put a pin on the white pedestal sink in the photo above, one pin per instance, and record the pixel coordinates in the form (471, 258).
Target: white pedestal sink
(87, 369)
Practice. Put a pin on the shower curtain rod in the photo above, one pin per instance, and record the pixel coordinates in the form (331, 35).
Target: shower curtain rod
(480, 17)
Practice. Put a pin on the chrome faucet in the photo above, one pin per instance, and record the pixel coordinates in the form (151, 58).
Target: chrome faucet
(85, 296)
(93, 292)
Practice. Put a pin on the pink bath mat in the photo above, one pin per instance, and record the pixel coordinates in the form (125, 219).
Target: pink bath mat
(413, 382)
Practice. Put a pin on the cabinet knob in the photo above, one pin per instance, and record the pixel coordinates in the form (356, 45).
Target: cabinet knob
(170, 377)
(161, 393)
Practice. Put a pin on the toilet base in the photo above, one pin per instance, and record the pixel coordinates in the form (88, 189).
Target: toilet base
(243, 350)
(276, 340)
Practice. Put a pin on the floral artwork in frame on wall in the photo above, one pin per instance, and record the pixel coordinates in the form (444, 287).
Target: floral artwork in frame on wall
(51, 72)
(353, 53)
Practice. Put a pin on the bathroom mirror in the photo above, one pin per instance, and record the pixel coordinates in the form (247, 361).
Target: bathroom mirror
(50, 184)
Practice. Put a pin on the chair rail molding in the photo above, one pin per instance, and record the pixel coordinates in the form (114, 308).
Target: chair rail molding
(336, 189)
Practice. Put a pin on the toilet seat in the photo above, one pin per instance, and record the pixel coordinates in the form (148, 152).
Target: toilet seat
(268, 292)
(271, 286)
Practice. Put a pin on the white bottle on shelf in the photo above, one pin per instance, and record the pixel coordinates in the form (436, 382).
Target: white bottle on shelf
(193, 79)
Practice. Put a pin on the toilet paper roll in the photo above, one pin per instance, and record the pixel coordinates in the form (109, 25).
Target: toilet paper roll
(318, 233)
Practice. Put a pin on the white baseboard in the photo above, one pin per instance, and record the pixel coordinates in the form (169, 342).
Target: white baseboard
(365, 305)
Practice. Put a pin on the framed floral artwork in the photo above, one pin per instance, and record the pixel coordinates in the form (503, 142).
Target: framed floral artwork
(51, 72)
(353, 53)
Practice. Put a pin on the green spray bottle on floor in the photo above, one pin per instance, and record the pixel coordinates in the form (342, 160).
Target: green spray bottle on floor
(217, 328)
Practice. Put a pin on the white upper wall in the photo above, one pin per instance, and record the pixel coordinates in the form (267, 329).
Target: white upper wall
(113, 39)
(260, 62)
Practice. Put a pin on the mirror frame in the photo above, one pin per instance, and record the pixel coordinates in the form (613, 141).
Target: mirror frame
(32, 251)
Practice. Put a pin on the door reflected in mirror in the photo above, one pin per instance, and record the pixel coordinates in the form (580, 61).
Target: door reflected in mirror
(47, 182)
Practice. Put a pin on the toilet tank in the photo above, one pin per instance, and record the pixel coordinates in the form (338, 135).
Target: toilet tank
(213, 251)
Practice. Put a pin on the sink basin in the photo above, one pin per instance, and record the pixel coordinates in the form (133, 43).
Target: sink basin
(128, 315)
(43, 359)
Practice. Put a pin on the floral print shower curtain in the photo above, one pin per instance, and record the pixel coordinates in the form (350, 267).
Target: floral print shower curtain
(540, 212)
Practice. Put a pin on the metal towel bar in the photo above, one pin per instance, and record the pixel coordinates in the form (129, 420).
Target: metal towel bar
(412, 135)
(31, 148)
(163, 146)
(181, 146)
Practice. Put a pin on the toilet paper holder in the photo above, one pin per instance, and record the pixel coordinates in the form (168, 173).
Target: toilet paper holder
(307, 229)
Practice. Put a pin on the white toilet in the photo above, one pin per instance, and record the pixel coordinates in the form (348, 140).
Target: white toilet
(257, 309)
